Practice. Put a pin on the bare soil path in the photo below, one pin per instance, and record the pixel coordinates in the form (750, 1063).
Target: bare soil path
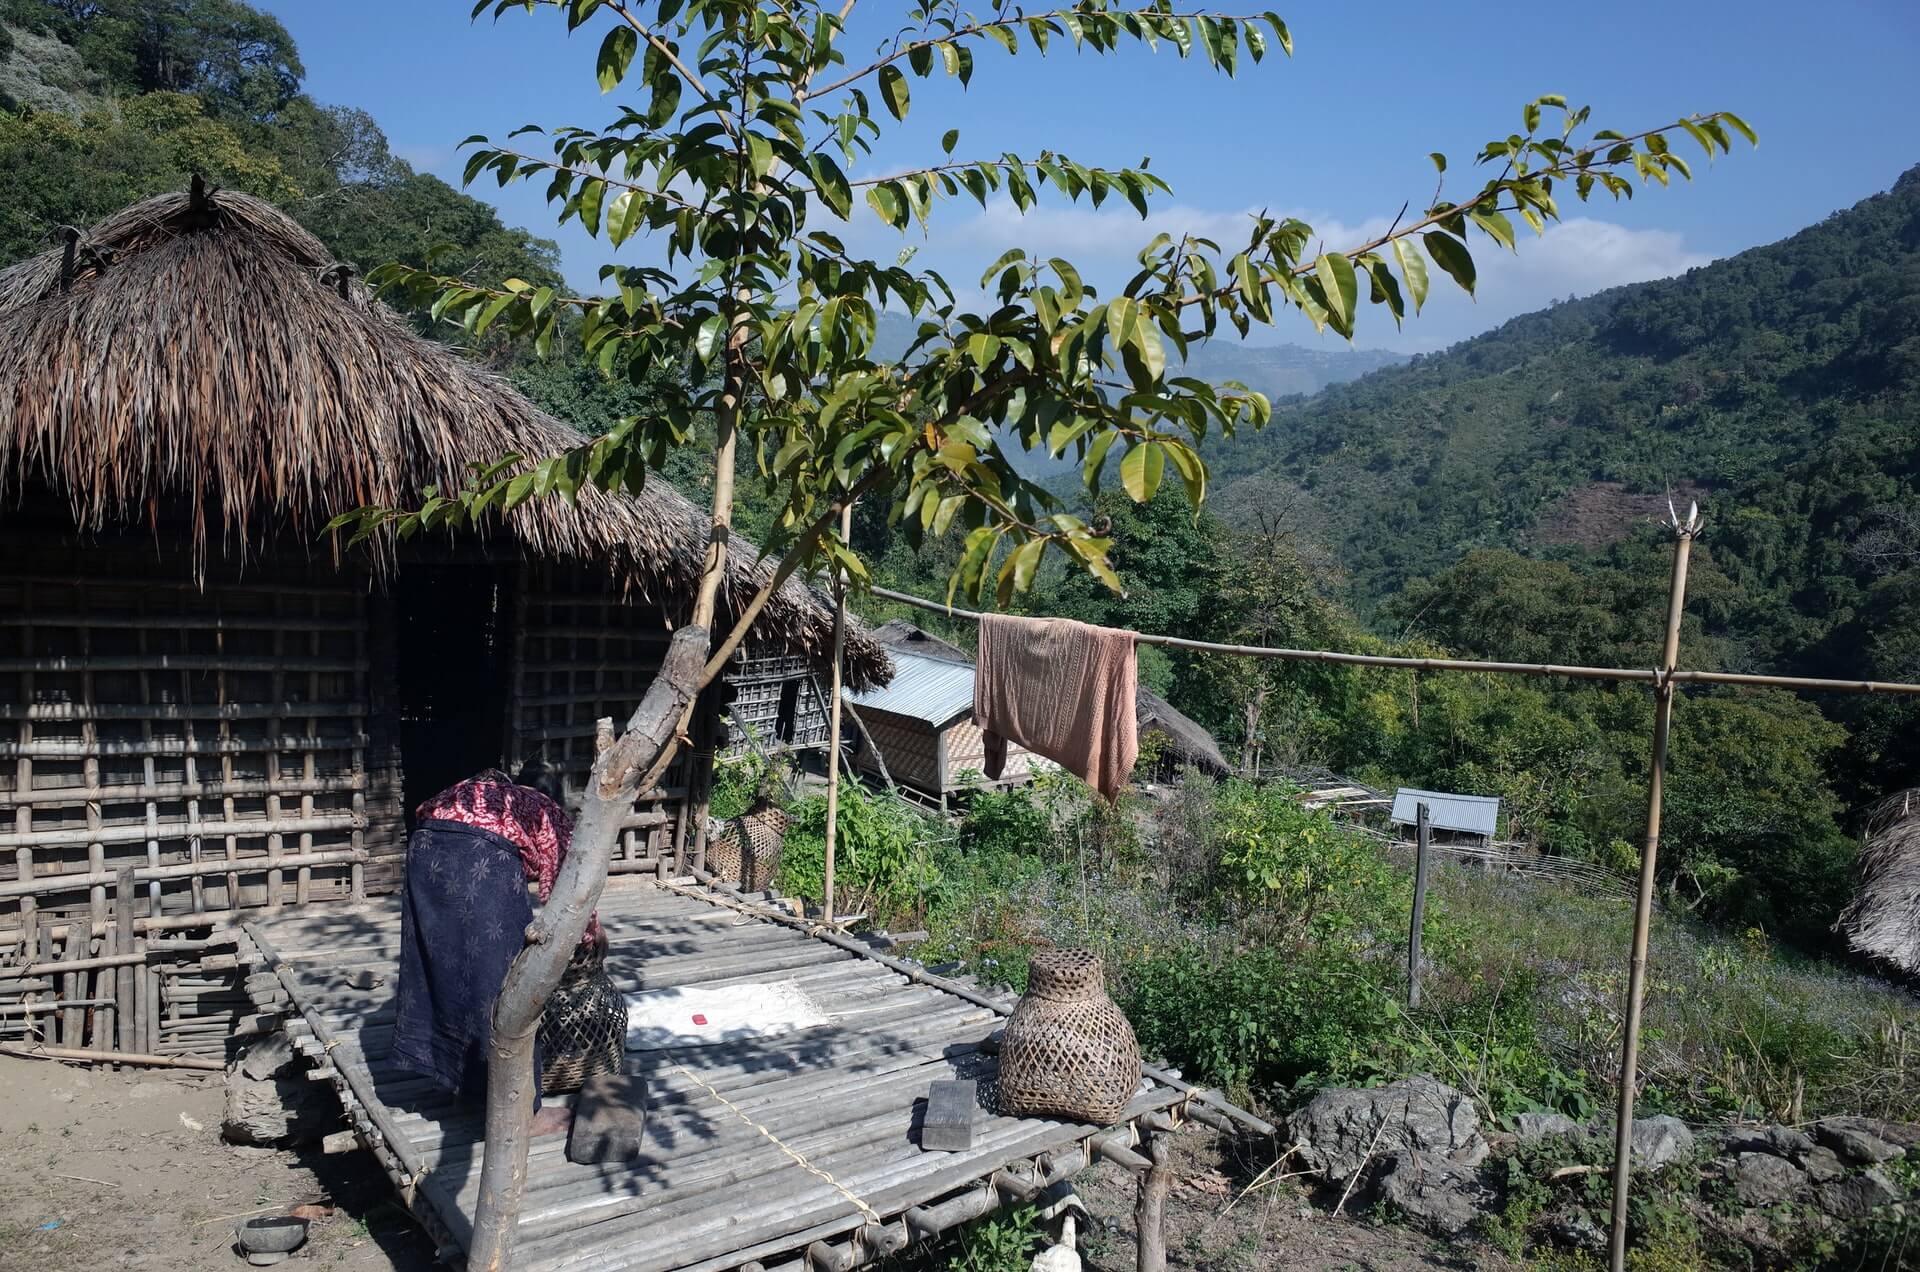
(104, 1170)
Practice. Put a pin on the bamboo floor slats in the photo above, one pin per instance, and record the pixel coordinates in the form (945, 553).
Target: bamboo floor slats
(711, 1191)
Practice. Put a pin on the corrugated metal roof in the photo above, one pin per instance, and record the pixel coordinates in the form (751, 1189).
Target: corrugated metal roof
(1468, 814)
(936, 690)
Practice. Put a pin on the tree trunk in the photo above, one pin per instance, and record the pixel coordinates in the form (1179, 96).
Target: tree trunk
(621, 771)
(1150, 1209)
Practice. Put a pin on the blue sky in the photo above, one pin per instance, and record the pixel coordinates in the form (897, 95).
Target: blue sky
(1337, 135)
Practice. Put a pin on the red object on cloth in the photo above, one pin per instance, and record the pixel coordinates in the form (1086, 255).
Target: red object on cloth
(1061, 689)
(531, 822)
(699, 1019)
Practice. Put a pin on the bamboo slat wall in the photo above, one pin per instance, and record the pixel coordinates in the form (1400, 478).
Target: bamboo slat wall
(579, 653)
(171, 754)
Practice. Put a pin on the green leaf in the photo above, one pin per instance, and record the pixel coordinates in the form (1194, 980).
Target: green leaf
(1496, 225)
(593, 193)
(1439, 161)
(1008, 257)
(1413, 267)
(616, 54)
(831, 182)
(1740, 126)
(1141, 469)
(893, 90)
(949, 141)
(623, 218)
(1336, 276)
(1452, 256)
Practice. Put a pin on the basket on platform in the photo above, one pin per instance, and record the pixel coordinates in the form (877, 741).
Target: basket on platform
(1068, 1051)
(746, 849)
(584, 1028)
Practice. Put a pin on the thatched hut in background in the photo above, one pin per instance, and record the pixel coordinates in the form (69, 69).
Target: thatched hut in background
(1883, 919)
(1177, 741)
(195, 682)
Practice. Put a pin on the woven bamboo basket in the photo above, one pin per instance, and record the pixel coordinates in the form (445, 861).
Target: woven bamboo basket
(1068, 1051)
(746, 850)
(584, 1028)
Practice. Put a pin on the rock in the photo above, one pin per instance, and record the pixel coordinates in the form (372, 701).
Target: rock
(1538, 1126)
(1822, 1165)
(1905, 1134)
(1780, 1141)
(267, 1056)
(1660, 1141)
(1854, 1143)
(1337, 1128)
(282, 1109)
(1579, 1232)
(1857, 1195)
(1438, 1194)
(1762, 1179)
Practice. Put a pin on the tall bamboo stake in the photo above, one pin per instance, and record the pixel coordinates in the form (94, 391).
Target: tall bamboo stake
(1684, 533)
(1422, 850)
(833, 718)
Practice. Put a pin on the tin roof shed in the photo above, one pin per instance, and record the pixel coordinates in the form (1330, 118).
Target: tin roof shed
(1462, 814)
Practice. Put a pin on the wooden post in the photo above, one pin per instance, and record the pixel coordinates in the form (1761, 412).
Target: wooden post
(1684, 533)
(1149, 1209)
(833, 721)
(123, 943)
(1422, 844)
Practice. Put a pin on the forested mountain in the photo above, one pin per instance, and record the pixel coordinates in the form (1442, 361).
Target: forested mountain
(109, 101)
(1781, 387)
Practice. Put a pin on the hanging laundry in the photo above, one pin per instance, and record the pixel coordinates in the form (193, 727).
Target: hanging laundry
(1061, 689)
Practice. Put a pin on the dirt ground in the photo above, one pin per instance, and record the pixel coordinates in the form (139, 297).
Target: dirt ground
(126, 1170)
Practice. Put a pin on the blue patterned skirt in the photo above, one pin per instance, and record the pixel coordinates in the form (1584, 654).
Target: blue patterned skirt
(463, 918)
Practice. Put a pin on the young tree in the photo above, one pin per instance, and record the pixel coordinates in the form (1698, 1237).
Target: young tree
(739, 149)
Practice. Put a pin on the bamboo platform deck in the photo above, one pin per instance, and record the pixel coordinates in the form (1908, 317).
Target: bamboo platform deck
(710, 1192)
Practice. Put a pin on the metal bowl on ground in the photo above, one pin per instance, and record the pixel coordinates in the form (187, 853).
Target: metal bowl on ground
(270, 1238)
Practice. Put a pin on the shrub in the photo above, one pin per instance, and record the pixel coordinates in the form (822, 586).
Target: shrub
(1010, 821)
(878, 854)
(1303, 876)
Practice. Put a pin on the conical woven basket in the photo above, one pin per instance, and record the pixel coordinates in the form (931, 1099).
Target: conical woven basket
(584, 1028)
(1068, 1051)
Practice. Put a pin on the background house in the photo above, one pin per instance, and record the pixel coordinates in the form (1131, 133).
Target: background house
(1468, 820)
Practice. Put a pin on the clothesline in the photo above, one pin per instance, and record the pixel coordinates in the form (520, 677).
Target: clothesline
(1644, 676)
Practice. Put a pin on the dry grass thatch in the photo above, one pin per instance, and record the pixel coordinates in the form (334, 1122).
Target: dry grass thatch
(205, 353)
(1883, 919)
(1187, 743)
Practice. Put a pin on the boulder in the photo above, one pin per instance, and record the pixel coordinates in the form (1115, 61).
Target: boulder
(1780, 1141)
(1854, 1142)
(270, 1101)
(1579, 1232)
(1435, 1193)
(1822, 1165)
(1337, 1130)
(1762, 1179)
(1660, 1141)
(1905, 1134)
(1856, 1196)
(1538, 1126)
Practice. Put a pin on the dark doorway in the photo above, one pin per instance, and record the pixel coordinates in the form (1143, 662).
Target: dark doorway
(453, 663)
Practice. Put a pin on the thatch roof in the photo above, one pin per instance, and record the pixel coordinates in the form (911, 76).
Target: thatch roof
(898, 633)
(205, 353)
(1883, 919)
(1186, 742)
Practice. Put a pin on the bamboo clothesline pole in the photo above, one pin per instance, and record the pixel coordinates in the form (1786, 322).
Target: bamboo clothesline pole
(1684, 532)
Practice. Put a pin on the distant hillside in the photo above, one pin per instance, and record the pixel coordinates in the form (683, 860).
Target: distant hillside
(1779, 386)
(1279, 371)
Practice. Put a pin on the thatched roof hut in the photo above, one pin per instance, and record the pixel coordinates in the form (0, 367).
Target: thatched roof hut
(196, 685)
(205, 351)
(1183, 742)
(1883, 919)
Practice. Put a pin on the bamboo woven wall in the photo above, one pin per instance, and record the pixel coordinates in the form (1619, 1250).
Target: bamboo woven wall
(211, 740)
(580, 653)
(907, 745)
